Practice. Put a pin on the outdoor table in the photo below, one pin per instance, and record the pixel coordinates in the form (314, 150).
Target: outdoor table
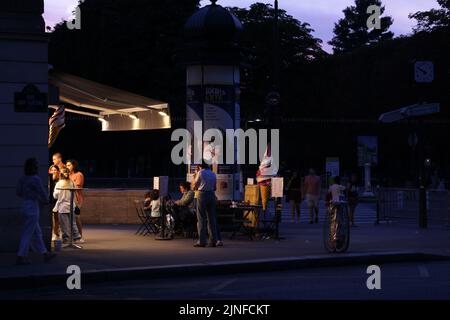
(243, 212)
(72, 196)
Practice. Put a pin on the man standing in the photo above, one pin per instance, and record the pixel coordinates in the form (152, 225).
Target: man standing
(311, 190)
(205, 184)
(57, 161)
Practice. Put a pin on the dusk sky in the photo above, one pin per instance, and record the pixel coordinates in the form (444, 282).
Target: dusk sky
(321, 14)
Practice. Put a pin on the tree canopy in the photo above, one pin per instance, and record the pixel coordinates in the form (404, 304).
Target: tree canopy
(351, 32)
(434, 18)
(297, 46)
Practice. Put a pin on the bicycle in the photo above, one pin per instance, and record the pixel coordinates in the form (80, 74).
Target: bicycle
(336, 231)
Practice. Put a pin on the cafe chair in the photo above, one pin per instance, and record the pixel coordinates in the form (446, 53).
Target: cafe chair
(147, 225)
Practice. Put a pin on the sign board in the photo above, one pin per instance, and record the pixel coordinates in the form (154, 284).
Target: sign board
(224, 187)
(161, 184)
(367, 150)
(423, 109)
(250, 181)
(415, 110)
(30, 99)
(332, 167)
(277, 187)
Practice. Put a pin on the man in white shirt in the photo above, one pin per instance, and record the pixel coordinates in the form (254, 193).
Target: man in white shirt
(205, 184)
(337, 190)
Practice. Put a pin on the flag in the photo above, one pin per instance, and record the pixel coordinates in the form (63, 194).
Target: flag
(55, 124)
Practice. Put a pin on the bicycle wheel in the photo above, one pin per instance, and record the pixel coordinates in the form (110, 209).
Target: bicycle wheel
(342, 229)
(328, 234)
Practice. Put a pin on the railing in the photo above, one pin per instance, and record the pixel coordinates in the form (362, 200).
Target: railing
(402, 204)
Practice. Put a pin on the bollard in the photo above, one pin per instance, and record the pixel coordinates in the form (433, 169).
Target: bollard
(422, 207)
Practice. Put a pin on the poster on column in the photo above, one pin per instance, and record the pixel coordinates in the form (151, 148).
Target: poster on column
(194, 112)
(224, 187)
(219, 113)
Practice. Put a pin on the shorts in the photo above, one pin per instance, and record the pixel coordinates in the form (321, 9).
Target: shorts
(312, 201)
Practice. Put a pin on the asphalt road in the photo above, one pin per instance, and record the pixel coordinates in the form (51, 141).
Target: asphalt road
(398, 281)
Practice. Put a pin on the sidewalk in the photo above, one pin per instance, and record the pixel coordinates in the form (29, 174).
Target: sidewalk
(110, 248)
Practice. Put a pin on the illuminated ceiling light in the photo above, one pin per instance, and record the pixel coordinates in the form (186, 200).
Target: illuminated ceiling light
(102, 120)
(133, 116)
(258, 120)
(163, 113)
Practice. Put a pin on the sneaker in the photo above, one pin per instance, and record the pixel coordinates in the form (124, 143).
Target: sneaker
(219, 243)
(49, 256)
(311, 222)
(21, 261)
(317, 220)
(199, 245)
(81, 240)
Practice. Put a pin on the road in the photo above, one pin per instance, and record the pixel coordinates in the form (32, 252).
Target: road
(398, 281)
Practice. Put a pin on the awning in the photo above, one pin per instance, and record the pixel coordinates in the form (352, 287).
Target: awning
(117, 109)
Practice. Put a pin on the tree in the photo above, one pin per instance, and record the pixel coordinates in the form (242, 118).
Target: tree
(297, 46)
(433, 19)
(352, 32)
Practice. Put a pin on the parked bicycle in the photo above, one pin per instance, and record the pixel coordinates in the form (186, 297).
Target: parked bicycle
(336, 228)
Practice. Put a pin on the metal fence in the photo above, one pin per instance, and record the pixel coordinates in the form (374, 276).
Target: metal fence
(402, 204)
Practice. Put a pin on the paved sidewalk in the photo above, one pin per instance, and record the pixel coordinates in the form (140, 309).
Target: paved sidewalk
(116, 247)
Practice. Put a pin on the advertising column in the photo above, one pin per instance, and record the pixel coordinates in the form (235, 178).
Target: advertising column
(213, 98)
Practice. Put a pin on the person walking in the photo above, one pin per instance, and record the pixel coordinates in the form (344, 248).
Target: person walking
(78, 178)
(311, 190)
(294, 195)
(352, 198)
(32, 192)
(205, 184)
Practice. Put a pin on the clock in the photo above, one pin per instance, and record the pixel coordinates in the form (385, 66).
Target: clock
(423, 71)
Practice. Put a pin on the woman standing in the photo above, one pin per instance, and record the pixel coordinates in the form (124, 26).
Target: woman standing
(62, 206)
(352, 197)
(78, 178)
(31, 190)
(54, 178)
(294, 195)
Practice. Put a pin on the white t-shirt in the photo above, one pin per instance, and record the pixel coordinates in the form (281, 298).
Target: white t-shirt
(63, 196)
(156, 206)
(337, 192)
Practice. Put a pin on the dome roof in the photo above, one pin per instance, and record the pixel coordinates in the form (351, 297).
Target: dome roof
(213, 22)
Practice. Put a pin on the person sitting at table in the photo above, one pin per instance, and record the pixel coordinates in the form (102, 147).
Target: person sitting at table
(62, 206)
(184, 207)
(147, 201)
(154, 207)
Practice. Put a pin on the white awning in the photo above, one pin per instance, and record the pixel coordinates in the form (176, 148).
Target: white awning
(118, 110)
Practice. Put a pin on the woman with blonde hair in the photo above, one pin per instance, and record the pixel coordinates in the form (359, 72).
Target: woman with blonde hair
(62, 205)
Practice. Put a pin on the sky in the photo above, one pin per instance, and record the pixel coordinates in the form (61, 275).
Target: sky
(320, 14)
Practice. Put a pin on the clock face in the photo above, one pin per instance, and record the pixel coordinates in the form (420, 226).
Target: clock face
(424, 71)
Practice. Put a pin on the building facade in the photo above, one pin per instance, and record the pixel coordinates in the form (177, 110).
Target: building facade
(23, 109)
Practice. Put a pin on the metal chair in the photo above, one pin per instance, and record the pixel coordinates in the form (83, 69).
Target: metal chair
(147, 226)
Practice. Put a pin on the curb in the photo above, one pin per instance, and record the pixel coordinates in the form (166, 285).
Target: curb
(220, 268)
